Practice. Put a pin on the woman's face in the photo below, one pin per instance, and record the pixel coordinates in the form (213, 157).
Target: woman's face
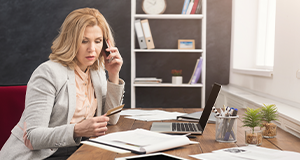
(90, 47)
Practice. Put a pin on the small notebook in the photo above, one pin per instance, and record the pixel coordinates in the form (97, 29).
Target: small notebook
(194, 117)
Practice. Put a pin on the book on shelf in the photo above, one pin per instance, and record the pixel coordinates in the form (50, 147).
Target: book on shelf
(197, 71)
(147, 80)
(185, 6)
(140, 34)
(142, 141)
(198, 9)
(147, 33)
(195, 5)
(190, 7)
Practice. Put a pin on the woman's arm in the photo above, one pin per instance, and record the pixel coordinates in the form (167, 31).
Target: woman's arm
(115, 85)
(114, 98)
(113, 67)
(41, 106)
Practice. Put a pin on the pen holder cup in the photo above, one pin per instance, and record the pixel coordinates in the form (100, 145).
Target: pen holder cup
(226, 129)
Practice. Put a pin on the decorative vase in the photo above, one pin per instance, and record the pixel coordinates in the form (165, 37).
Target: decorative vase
(269, 130)
(253, 137)
(176, 79)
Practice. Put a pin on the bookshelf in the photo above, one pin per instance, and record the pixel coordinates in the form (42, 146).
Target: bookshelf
(135, 51)
(169, 16)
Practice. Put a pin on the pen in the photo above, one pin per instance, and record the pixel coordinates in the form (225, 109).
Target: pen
(187, 134)
(216, 111)
(229, 128)
(222, 112)
(231, 111)
(227, 110)
(225, 121)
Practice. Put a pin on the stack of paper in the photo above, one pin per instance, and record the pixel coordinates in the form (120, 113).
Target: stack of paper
(142, 141)
(147, 80)
(150, 115)
(248, 153)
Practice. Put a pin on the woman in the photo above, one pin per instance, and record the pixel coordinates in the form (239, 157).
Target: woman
(67, 95)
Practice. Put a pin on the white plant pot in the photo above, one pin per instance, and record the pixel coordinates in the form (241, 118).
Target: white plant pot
(176, 79)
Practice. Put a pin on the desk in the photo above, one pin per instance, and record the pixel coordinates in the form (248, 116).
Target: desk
(207, 143)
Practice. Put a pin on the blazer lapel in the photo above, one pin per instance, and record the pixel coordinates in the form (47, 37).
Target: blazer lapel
(96, 80)
(72, 94)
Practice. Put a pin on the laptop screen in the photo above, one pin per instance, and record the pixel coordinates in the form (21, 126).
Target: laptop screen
(209, 104)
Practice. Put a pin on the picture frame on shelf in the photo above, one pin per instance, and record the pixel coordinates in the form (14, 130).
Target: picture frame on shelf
(186, 44)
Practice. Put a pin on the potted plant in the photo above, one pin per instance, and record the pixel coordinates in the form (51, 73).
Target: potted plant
(269, 113)
(252, 119)
(176, 76)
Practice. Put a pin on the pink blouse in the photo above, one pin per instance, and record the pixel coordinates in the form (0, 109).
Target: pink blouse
(86, 102)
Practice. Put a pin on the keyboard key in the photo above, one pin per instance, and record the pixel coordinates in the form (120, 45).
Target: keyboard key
(173, 126)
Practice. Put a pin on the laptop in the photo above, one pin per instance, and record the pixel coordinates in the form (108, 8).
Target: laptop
(185, 127)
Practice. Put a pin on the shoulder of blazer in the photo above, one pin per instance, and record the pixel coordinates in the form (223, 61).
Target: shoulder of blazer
(56, 71)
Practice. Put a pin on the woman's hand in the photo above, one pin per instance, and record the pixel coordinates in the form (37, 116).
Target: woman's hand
(92, 127)
(114, 66)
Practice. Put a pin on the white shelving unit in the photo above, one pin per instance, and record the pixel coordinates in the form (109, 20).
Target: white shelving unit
(134, 51)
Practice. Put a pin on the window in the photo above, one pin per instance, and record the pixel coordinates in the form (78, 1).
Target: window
(253, 36)
(265, 34)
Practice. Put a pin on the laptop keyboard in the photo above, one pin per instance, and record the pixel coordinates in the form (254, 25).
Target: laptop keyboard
(190, 127)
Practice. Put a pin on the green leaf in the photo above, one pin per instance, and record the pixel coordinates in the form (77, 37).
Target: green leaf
(252, 118)
(269, 112)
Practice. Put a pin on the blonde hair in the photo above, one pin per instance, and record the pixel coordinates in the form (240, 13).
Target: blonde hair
(67, 43)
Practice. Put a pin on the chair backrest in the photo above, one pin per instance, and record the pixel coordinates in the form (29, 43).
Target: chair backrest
(12, 104)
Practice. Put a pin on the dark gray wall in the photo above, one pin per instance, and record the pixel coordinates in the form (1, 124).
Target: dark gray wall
(27, 29)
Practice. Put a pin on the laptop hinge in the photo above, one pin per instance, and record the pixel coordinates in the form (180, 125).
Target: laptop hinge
(199, 127)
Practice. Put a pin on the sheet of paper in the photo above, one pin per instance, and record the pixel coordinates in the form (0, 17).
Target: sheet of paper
(252, 152)
(150, 115)
(215, 156)
(138, 137)
(248, 153)
(289, 155)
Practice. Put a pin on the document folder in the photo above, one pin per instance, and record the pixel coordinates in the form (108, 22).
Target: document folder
(147, 34)
(140, 34)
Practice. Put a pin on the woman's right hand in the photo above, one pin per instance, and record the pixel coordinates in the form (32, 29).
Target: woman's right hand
(92, 127)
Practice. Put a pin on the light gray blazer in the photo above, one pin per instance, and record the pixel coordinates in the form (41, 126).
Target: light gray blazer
(49, 107)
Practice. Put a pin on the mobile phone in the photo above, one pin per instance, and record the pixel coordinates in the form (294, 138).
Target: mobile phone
(105, 46)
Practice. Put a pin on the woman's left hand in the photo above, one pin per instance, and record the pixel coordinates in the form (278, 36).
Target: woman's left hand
(113, 67)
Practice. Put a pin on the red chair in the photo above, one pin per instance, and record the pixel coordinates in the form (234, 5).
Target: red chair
(12, 104)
